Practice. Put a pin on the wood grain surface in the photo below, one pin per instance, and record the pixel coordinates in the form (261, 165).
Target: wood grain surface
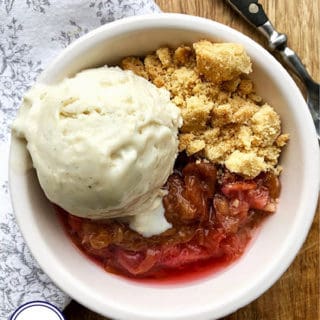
(295, 295)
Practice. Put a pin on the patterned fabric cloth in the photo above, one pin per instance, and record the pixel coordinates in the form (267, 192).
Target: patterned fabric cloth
(32, 32)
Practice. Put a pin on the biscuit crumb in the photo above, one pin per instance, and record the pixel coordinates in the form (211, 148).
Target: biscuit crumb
(195, 146)
(247, 164)
(246, 86)
(184, 140)
(182, 55)
(221, 61)
(135, 65)
(231, 85)
(265, 124)
(153, 66)
(196, 114)
(282, 140)
(164, 56)
(224, 120)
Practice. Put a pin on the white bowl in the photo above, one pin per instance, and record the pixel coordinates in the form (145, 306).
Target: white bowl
(280, 237)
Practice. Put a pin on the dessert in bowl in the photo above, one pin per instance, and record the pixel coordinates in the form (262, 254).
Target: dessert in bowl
(215, 294)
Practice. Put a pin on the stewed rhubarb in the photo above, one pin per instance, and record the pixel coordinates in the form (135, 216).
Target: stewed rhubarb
(213, 214)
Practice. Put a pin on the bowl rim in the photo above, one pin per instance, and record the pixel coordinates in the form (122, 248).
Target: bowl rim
(166, 20)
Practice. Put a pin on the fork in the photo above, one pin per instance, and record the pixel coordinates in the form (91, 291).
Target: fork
(254, 13)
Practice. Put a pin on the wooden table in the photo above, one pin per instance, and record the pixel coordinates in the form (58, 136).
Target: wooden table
(296, 295)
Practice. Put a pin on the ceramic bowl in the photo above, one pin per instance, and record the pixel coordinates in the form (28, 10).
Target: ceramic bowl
(276, 244)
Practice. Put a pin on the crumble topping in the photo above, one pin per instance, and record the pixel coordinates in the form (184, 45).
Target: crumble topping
(224, 120)
(221, 61)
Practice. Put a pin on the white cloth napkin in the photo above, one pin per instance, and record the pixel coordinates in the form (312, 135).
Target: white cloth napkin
(32, 33)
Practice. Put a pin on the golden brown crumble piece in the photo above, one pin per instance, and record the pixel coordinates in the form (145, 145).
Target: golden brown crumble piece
(245, 163)
(196, 114)
(159, 81)
(216, 152)
(210, 136)
(243, 109)
(231, 85)
(221, 61)
(246, 86)
(269, 153)
(223, 97)
(179, 101)
(135, 65)
(245, 137)
(181, 82)
(265, 125)
(184, 56)
(184, 140)
(222, 114)
(210, 90)
(224, 120)
(195, 146)
(282, 140)
(164, 56)
(244, 113)
(153, 66)
(255, 98)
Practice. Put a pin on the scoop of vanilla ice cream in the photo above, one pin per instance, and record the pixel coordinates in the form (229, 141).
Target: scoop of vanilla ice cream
(103, 143)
